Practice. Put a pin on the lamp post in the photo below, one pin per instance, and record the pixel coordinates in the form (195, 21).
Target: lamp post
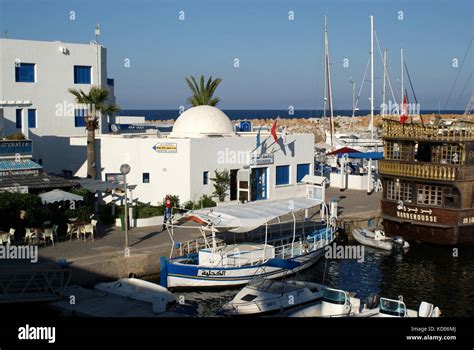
(124, 170)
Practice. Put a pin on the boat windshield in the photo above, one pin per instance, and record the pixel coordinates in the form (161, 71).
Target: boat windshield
(334, 296)
(392, 307)
(273, 286)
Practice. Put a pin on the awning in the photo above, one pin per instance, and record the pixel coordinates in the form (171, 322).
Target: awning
(10, 165)
(98, 185)
(248, 216)
(36, 182)
(343, 150)
(366, 155)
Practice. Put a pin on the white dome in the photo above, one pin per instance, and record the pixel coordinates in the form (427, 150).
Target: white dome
(202, 121)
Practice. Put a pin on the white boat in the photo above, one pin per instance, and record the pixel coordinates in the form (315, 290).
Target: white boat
(263, 296)
(138, 289)
(378, 239)
(339, 303)
(231, 265)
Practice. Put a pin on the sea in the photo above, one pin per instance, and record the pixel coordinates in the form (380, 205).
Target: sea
(439, 275)
(240, 114)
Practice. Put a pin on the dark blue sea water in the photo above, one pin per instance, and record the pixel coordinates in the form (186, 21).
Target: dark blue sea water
(234, 114)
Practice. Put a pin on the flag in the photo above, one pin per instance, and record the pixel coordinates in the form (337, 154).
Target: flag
(404, 115)
(273, 130)
(283, 135)
(258, 137)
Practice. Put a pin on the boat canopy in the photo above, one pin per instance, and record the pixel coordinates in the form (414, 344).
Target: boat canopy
(248, 216)
(366, 155)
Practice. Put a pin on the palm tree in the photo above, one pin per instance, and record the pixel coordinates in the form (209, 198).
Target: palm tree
(202, 95)
(96, 100)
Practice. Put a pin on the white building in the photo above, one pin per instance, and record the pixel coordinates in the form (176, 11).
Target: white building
(40, 73)
(202, 141)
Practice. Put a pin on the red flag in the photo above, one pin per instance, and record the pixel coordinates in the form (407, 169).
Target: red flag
(273, 131)
(404, 115)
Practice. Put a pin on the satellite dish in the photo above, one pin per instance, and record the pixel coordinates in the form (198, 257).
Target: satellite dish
(114, 128)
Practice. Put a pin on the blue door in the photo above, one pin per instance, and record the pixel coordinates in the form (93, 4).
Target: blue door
(258, 180)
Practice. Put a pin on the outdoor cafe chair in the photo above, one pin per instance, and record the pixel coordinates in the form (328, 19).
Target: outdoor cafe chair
(6, 237)
(88, 229)
(29, 235)
(48, 234)
(71, 230)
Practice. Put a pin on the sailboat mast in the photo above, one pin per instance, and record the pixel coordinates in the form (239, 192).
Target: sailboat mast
(384, 86)
(401, 79)
(371, 77)
(328, 82)
(325, 69)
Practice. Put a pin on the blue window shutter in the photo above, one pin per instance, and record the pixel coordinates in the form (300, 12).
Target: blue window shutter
(79, 120)
(18, 118)
(25, 73)
(82, 74)
(301, 171)
(32, 118)
(283, 175)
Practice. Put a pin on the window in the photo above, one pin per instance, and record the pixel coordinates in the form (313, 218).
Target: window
(205, 177)
(397, 191)
(399, 150)
(18, 118)
(32, 118)
(25, 73)
(446, 154)
(82, 74)
(282, 175)
(301, 171)
(79, 118)
(146, 178)
(430, 195)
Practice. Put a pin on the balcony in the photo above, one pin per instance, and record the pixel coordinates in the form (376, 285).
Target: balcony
(426, 132)
(442, 172)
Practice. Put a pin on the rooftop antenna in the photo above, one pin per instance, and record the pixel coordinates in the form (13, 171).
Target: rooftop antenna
(97, 33)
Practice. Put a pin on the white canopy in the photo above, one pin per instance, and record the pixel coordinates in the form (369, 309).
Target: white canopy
(58, 196)
(248, 216)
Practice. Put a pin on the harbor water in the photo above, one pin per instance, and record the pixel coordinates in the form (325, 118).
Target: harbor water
(423, 273)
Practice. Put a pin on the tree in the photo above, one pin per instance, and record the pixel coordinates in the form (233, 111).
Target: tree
(96, 101)
(203, 94)
(221, 184)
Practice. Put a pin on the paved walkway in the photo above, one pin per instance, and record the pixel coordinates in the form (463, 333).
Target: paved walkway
(104, 258)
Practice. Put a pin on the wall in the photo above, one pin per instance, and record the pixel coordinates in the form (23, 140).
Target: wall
(54, 76)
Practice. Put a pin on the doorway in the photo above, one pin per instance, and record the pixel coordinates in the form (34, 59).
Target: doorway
(233, 184)
(258, 183)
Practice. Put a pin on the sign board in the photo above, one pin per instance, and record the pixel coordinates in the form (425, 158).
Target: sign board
(166, 147)
(261, 159)
(115, 177)
(20, 172)
(13, 147)
(16, 189)
(245, 126)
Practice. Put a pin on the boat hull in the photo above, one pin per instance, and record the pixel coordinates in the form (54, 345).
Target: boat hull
(178, 275)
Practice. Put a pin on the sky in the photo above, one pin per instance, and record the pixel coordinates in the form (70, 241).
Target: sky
(280, 60)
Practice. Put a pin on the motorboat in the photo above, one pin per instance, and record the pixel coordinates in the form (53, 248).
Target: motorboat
(214, 265)
(263, 296)
(377, 239)
(339, 303)
(138, 289)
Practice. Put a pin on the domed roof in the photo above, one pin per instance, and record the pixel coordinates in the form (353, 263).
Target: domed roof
(202, 121)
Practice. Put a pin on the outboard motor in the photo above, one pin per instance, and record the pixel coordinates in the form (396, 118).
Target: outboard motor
(400, 243)
(341, 236)
(372, 301)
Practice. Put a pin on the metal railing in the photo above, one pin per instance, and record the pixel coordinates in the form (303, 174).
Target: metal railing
(425, 171)
(428, 132)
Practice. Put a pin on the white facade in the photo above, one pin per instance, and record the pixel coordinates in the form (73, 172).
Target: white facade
(176, 164)
(53, 75)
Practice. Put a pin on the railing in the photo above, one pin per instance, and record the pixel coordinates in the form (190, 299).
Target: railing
(428, 132)
(424, 171)
(195, 245)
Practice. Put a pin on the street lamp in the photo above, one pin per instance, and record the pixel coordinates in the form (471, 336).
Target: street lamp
(124, 170)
